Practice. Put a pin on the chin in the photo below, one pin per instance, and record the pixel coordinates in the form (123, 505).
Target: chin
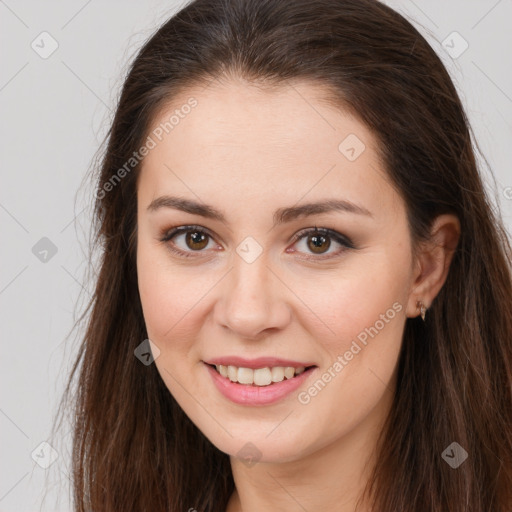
(257, 445)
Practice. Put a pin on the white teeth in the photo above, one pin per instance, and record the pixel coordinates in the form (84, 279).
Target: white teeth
(289, 372)
(233, 373)
(262, 376)
(277, 374)
(245, 375)
(259, 376)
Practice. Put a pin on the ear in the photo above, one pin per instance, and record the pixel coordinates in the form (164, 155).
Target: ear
(433, 262)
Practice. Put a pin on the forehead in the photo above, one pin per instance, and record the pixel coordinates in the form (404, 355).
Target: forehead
(287, 141)
(235, 114)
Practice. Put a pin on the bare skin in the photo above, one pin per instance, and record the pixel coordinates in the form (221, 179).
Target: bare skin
(248, 152)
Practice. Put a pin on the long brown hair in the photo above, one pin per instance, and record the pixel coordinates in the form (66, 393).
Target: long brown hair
(133, 446)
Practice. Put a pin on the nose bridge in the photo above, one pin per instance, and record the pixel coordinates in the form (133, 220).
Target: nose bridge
(250, 279)
(253, 298)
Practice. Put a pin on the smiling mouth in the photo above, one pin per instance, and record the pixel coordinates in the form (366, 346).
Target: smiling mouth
(258, 377)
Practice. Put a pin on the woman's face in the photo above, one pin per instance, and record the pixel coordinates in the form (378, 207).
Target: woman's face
(253, 172)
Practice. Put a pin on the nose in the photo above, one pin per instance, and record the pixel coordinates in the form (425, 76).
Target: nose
(252, 301)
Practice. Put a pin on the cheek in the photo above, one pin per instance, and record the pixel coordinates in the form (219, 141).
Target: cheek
(362, 301)
(366, 308)
(173, 313)
(170, 295)
(363, 315)
(366, 311)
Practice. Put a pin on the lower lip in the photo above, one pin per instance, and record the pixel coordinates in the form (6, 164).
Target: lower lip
(256, 395)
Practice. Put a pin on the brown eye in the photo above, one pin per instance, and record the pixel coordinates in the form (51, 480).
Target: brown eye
(187, 240)
(196, 240)
(318, 243)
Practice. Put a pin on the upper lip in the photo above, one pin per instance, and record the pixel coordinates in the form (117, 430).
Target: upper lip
(259, 362)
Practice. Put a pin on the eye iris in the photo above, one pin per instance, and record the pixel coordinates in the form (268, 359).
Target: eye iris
(196, 237)
(315, 243)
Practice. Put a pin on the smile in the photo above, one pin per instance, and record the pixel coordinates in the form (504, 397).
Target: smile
(259, 376)
(256, 386)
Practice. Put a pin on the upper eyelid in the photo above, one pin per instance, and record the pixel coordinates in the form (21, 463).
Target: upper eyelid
(339, 237)
(179, 230)
(315, 229)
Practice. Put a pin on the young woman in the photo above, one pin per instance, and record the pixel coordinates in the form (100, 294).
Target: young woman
(304, 296)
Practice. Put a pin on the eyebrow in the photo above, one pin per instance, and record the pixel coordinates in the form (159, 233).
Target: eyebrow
(281, 215)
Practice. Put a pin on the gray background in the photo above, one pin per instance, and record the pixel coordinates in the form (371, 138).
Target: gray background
(55, 112)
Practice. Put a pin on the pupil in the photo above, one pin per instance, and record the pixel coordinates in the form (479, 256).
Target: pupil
(316, 243)
(196, 238)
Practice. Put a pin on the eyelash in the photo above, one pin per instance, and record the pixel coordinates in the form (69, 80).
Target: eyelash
(168, 234)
